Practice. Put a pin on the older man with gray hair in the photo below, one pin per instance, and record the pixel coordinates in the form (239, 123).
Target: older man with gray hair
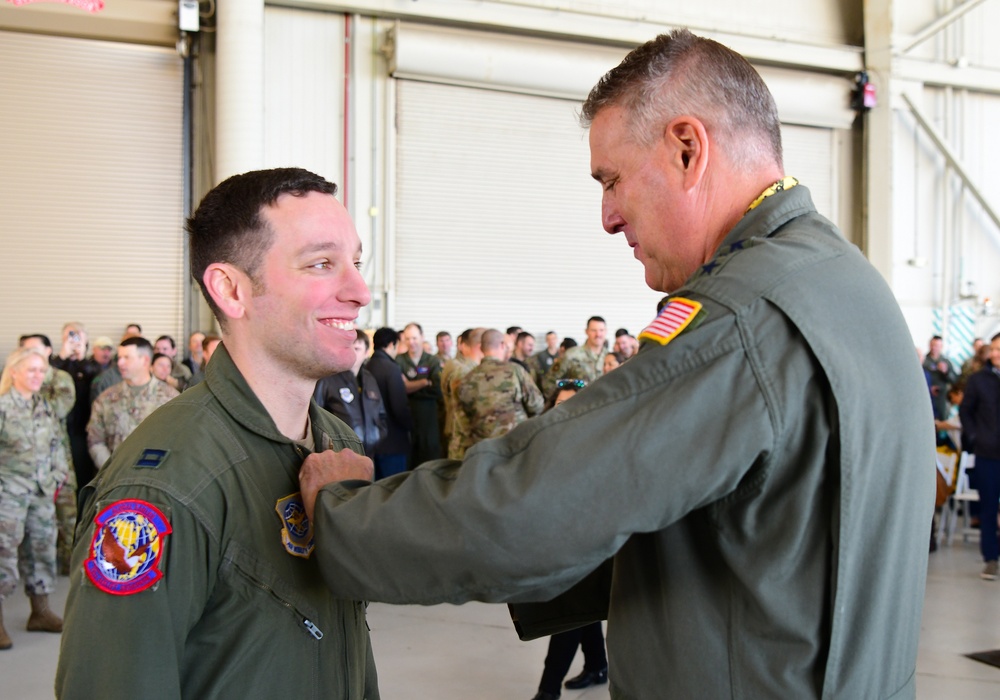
(761, 471)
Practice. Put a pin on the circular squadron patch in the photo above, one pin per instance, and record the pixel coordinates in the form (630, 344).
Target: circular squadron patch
(127, 548)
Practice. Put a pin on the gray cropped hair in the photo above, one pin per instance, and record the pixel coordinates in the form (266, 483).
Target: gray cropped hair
(682, 74)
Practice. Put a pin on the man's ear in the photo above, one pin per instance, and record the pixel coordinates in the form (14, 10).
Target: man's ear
(229, 287)
(687, 140)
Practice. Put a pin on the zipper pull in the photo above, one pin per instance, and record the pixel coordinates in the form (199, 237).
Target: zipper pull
(313, 629)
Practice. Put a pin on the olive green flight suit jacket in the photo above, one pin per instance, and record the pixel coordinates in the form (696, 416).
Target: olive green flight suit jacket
(235, 615)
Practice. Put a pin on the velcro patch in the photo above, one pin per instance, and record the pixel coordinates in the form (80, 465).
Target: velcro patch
(127, 547)
(151, 458)
(676, 315)
(296, 533)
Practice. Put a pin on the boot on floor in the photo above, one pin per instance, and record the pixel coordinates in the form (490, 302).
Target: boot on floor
(42, 618)
(5, 641)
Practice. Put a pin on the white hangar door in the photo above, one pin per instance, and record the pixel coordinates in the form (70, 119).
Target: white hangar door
(90, 188)
(497, 221)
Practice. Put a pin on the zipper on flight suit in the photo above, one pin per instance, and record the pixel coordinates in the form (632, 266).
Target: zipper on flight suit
(314, 630)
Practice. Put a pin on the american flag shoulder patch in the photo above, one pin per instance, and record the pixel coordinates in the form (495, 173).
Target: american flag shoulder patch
(674, 317)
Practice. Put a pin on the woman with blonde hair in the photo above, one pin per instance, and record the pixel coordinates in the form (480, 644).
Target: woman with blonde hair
(32, 465)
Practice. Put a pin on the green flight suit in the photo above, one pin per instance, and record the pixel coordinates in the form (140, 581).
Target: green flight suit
(426, 433)
(764, 481)
(235, 615)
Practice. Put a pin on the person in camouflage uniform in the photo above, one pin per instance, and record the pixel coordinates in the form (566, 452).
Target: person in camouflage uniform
(120, 409)
(469, 355)
(582, 362)
(498, 394)
(59, 389)
(33, 463)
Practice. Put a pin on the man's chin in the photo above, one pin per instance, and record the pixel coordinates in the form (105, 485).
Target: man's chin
(336, 364)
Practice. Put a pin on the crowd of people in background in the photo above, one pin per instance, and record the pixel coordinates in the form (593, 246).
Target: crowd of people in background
(411, 402)
(966, 403)
(408, 402)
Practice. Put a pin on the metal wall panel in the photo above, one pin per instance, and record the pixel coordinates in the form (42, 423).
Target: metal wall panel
(304, 91)
(498, 220)
(90, 188)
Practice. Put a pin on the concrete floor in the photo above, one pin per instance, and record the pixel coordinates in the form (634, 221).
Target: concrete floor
(471, 653)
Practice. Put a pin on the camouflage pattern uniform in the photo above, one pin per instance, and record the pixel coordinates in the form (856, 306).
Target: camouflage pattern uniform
(578, 363)
(457, 424)
(33, 463)
(496, 396)
(118, 411)
(59, 390)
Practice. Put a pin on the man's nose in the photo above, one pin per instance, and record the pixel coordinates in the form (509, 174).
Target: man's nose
(612, 221)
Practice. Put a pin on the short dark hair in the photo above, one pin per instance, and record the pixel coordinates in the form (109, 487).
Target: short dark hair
(620, 332)
(41, 336)
(514, 329)
(596, 318)
(442, 334)
(158, 355)
(522, 335)
(173, 345)
(142, 345)
(228, 225)
(384, 337)
(936, 337)
(567, 343)
(137, 326)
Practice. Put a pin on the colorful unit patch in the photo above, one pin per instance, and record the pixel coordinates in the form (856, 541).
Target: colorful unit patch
(127, 547)
(673, 318)
(296, 535)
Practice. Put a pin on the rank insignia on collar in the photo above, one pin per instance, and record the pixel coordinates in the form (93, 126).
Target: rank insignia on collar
(296, 533)
(127, 547)
(675, 316)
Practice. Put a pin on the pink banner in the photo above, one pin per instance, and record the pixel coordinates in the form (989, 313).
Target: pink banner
(88, 5)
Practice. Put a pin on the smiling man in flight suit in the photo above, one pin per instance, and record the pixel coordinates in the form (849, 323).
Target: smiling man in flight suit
(761, 471)
(193, 575)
